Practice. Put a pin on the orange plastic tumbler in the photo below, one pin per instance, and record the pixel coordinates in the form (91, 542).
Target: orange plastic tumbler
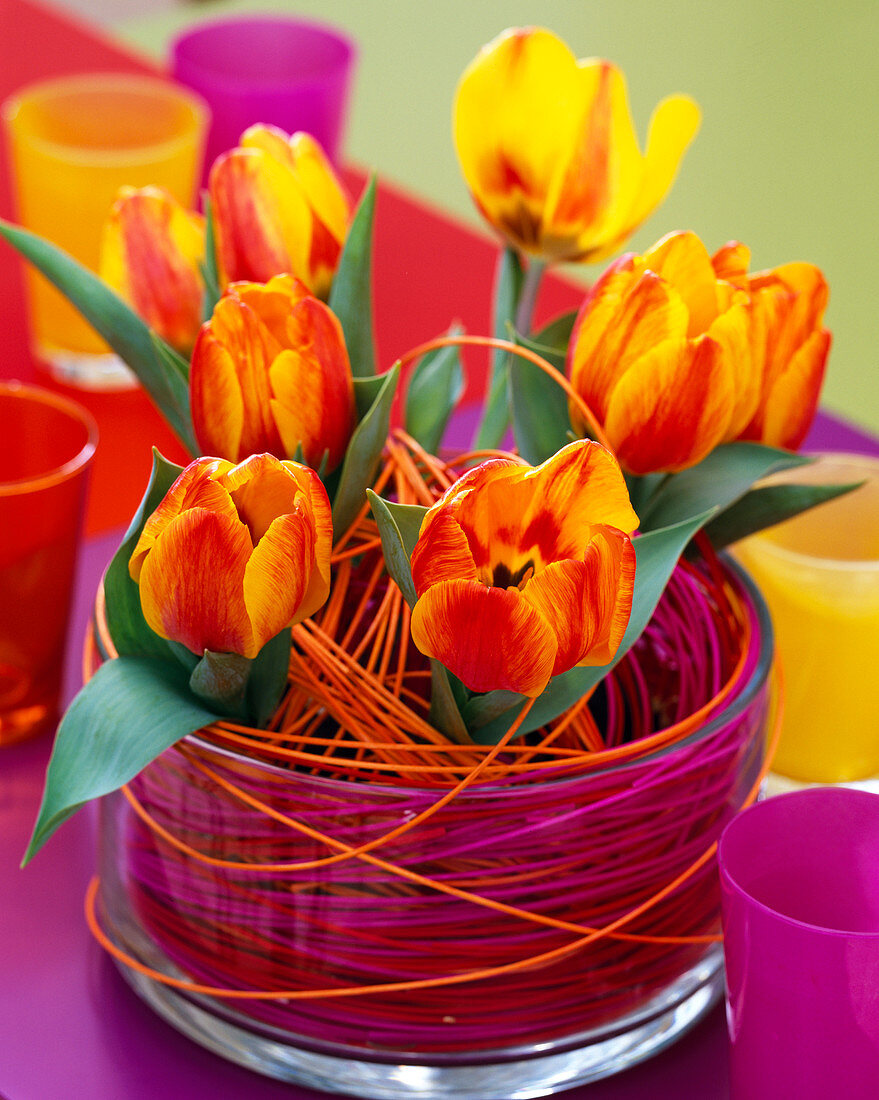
(46, 449)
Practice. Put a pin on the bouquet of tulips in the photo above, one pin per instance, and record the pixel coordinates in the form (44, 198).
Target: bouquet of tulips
(641, 420)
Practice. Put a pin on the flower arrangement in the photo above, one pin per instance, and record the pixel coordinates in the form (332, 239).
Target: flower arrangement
(334, 596)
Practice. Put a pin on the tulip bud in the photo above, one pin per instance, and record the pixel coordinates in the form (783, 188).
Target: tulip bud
(150, 254)
(279, 209)
(234, 554)
(270, 372)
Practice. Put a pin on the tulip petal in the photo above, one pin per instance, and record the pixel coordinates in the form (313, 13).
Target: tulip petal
(192, 583)
(320, 184)
(195, 487)
(629, 311)
(733, 332)
(731, 262)
(322, 524)
(580, 485)
(490, 638)
(277, 576)
(673, 126)
(682, 260)
(272, 303)
(215, 398)
(312, 385)
(790, 405)
(150, 252)
(604, 170)
(514, 126)
(261, 489)
(587, 602)
(263, 221)
(672, 407)
(237, 335)
(442, 552)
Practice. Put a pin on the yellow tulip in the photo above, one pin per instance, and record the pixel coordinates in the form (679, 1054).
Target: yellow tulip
(548, 149)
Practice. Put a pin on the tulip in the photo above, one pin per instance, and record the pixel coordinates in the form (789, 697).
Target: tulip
(234, 554)
(548, 150)
(676, 352)
(278, 209)
(661, 354)
(523, 573)
(790, 347)
(150, 254)
(270, 372)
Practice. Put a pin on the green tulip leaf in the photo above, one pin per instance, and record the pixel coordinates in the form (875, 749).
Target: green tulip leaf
(131, 710)
(509, 281)
(210, 272)
(641, 488)
(553, 339)
(540, 406)
(364, 455)
(435, 385)
(128, 628)
(398, 525)
(656, 555)
(268, 678)
(767, 505)
(445, 714)
(120, 326)
(170, 358)
(366, 390)
(717, 481)
(351, 293)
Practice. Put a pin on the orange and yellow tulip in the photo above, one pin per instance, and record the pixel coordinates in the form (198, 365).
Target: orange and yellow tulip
(150, 254)
(278, 209)
(522, 572)
(676, 351)
(661, 354)
(789, 344)
(270, 372)
(548, 149)
(234, 554)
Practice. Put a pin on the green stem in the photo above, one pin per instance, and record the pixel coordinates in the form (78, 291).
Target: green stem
(528, 298)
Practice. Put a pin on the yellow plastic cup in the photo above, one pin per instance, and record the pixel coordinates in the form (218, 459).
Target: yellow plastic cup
(819, 573)
(74, 142)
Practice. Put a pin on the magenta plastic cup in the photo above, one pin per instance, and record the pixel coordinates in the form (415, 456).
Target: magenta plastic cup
(292, 73)
(800, 893)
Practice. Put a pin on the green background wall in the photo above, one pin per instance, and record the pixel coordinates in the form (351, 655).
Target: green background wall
(787, 159)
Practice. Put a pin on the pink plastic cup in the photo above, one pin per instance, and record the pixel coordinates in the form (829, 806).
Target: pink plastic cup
(800, 882)
(292, 73)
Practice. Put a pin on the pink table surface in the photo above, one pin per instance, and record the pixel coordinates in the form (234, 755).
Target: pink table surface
(71, 1028)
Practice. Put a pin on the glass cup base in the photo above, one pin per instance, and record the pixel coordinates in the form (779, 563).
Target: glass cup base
(515, 1074)
(85, 370)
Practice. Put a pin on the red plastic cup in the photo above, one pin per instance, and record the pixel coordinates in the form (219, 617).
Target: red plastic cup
(46, 449)
(800, 881)
(292, 73)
